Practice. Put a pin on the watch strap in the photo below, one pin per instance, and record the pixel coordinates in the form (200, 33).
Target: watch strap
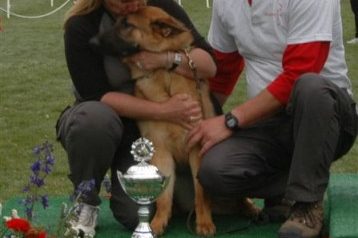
(176, 61)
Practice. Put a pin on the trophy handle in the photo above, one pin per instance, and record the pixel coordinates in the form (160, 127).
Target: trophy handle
(121, 179)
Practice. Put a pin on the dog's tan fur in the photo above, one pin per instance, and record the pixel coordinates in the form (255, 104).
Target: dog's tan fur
(154, 30)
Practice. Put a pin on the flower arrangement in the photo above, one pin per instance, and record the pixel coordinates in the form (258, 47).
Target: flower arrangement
(16, 227)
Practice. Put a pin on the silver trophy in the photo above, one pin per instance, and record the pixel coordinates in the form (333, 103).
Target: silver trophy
(143, 183)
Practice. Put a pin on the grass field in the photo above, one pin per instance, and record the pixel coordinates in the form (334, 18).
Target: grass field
(35, 87)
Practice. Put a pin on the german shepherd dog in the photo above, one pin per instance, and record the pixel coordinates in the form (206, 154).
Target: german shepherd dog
(152, 29)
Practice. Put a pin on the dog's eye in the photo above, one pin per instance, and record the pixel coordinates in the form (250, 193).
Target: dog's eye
(126, 24)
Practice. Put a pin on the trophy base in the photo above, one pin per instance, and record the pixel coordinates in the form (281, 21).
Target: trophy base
(143, 235)
(143, 229)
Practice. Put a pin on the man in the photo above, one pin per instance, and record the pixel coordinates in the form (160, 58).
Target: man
(299, 116)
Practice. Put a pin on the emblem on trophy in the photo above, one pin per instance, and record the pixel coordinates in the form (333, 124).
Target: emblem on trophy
(143, 183)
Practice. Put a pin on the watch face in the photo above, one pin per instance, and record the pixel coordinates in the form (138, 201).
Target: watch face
(231, 122)
(177, 58)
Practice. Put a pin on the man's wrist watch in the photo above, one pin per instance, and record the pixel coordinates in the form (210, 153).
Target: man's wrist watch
(176, 61)
(231, 122)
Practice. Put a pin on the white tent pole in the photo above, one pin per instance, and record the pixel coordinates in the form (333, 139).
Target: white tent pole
(8, 8)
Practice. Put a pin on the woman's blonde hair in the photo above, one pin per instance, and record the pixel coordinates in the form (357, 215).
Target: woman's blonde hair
(82, 7)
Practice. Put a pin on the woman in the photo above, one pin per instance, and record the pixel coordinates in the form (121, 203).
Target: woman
(98, 130)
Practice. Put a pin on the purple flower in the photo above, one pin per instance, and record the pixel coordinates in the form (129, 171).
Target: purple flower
(26, 188)
(36, 167)
(29, 213)
(35, 180)
(107, 184)
(36, 150)
(83, 189)
(44, 201)
(49, 160)
(42, 167)
(86, 186)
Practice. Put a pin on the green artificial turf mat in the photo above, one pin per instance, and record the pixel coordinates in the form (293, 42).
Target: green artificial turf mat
(109, 228)
(343, 206)
(341, 216)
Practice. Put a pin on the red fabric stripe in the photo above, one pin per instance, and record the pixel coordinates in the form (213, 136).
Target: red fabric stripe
(230, 66)
(297, 60)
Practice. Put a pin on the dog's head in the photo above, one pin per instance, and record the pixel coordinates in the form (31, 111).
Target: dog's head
(150, 28)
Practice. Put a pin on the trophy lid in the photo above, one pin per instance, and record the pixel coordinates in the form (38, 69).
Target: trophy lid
(142, 151)
(143, 172)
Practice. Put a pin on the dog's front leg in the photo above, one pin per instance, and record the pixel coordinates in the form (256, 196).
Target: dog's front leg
(204, 222)
(165, 163)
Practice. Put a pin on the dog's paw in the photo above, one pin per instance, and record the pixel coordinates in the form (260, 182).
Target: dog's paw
(158, 226)
(205, 228)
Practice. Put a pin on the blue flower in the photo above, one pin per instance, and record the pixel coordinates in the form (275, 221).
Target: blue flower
(83, 189)
(107, 184)
(86, 186)
(49, 160)
(35, 180)
(36, 150)
(36, 167)
(42, 167)
(44, 201)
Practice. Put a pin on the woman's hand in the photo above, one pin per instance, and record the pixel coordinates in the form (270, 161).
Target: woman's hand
(148, 61)
(183, 110)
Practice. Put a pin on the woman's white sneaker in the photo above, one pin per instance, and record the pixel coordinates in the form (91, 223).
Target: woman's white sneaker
(87, 221)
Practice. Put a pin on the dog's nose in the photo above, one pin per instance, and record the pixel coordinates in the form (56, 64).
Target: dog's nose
(124, 22)
(110, 43)
(94, 41)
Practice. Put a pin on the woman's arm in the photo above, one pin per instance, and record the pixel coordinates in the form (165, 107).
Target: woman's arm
(179, 109)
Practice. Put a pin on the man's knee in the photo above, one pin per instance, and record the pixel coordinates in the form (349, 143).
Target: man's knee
(218, 179)
(310, 84)
(313, 92)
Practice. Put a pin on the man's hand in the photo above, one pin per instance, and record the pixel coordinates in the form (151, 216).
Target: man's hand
(208, 133)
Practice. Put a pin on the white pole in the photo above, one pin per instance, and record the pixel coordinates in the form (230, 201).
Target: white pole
(207, 4)
(51, 3)
(8, 8)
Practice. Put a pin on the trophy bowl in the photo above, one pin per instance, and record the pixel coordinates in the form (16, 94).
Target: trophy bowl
(143, 183)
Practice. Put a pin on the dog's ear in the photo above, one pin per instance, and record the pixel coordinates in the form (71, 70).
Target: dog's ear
(168, 27)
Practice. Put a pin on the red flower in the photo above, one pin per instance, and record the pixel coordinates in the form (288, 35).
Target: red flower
(42, 235)
(19, 225)
(35, 233)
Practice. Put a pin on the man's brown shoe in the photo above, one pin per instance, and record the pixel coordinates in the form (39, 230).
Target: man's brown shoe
(305, 221)
(275, 212)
